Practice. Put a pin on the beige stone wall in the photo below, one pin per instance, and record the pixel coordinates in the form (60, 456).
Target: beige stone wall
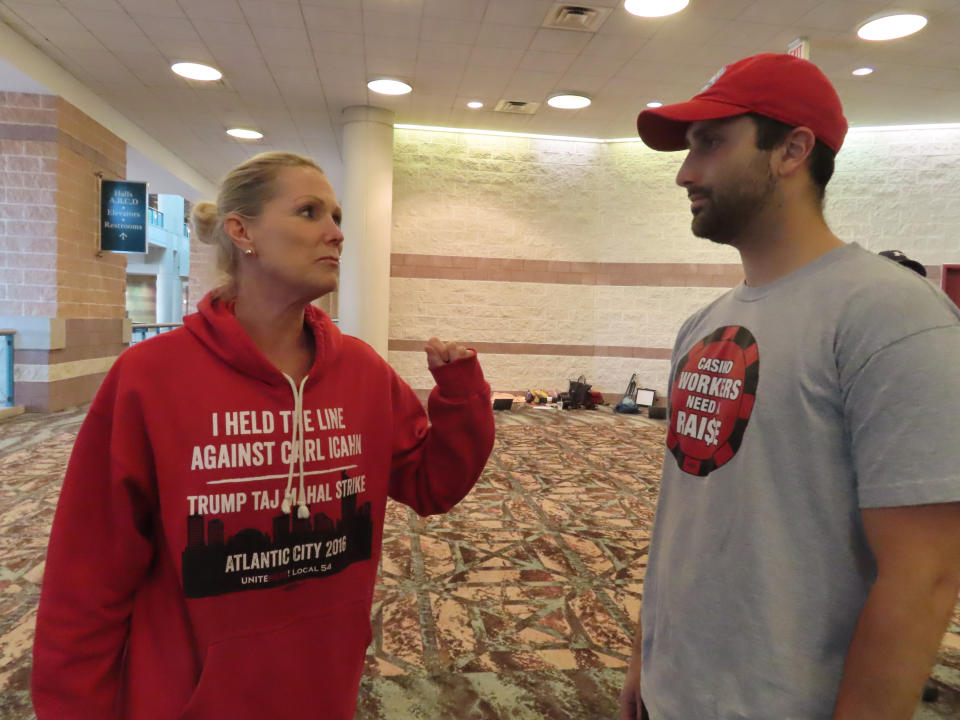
(89, 285)
(468, 208)
(204, 275)
(605, 207)
(28, 205)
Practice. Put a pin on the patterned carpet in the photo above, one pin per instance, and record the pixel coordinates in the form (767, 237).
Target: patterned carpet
(518, 604)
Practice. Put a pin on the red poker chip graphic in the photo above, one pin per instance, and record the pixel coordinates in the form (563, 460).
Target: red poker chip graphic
(711, 399)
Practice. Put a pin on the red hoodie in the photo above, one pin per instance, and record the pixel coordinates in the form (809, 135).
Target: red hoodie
(175, 585)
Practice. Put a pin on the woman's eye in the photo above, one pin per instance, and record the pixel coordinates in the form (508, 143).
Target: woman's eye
(307, 211)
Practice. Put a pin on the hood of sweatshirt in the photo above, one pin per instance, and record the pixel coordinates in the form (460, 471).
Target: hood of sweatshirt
(217, 328)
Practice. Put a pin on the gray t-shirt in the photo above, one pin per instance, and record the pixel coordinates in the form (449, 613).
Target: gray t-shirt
(792, 406)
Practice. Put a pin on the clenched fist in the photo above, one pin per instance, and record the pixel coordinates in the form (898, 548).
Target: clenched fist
(439, 353)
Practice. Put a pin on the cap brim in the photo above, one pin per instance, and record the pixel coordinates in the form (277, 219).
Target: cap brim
(665, 128)
(915, 266)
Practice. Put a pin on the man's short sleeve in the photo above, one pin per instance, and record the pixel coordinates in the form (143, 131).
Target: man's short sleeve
(901, 409)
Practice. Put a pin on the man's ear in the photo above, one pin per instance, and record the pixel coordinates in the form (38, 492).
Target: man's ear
(795, 150)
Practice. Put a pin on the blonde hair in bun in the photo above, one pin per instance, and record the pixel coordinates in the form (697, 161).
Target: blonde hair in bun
(245, 190)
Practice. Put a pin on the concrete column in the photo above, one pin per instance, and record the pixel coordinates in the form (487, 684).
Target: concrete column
(367, 201)
(168, 288)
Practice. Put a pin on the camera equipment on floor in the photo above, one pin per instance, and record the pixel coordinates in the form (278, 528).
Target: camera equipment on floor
(578, 396)
(627, 404)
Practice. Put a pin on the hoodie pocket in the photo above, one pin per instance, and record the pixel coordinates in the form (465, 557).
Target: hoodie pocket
(311, 665)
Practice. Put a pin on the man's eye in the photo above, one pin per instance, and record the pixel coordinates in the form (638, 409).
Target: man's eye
(337, 219)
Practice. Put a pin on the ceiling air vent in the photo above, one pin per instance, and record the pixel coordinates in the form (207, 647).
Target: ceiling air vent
(576, 17)
(518, 107)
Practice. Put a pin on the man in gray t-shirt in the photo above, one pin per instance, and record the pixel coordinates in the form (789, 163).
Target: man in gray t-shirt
(806, 552)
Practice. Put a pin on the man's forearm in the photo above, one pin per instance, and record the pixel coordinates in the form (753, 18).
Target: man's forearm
(894, 647)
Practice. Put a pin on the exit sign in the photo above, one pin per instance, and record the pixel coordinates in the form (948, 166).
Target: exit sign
(799, 48)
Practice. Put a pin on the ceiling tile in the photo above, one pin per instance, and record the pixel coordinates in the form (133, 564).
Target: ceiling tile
(391, 25)
(505, 36)
(834, 16)
(333, 19)
(225, 10)
(451, 53)
(332, 4)
(780, 12)
(532, 86)
(502, 58)
(215, 33)
(159, 8)
(111, 6)
(511, 12)
(573, 82)
(341, 96)
(405, 48)
(471, 49)
(41, 16)
(479, 81)
(340, 70)
(340, 43)
(724, 9)
(399, 7)
(177, 50)
(620, 22)
(266, 13)
(278, 37)
(596, 65)
(431, 79)
(300, 57)
(391, 66)
(546, 62)
(615, 46)
(457, 9)
(560, 41)
(157, 27)
(744, 34)
(436, 29)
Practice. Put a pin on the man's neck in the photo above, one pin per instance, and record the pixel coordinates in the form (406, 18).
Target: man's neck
(777, 246)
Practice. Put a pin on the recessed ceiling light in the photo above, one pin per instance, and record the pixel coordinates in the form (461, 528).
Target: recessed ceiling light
(863, 71)
(196, 71)
(891, 27)
(244, 134)
(386, 86)
(474, 104)
(654, 104)
(568, 102)
(654, 8)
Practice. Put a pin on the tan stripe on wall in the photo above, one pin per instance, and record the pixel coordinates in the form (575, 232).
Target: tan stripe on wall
(564, 272)
(36, 133)
(398, 345)
(89, 153)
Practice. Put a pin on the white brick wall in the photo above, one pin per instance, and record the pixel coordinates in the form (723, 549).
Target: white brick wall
(896, 189)
(482, 196)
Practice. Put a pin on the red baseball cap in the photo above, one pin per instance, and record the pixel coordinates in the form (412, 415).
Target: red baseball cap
(775, 85)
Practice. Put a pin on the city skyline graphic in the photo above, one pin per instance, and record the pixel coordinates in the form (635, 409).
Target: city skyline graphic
(294, 549)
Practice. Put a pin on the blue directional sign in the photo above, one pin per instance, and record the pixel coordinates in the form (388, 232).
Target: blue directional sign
(123, 216)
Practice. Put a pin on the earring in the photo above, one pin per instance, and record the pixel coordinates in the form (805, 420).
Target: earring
(248, 251)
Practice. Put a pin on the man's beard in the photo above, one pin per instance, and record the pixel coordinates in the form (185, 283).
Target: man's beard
(729, 210)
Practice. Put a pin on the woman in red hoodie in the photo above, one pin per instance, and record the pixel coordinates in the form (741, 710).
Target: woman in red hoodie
(215, 547)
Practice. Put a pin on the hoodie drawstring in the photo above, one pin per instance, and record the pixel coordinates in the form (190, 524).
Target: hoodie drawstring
(296, 454)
